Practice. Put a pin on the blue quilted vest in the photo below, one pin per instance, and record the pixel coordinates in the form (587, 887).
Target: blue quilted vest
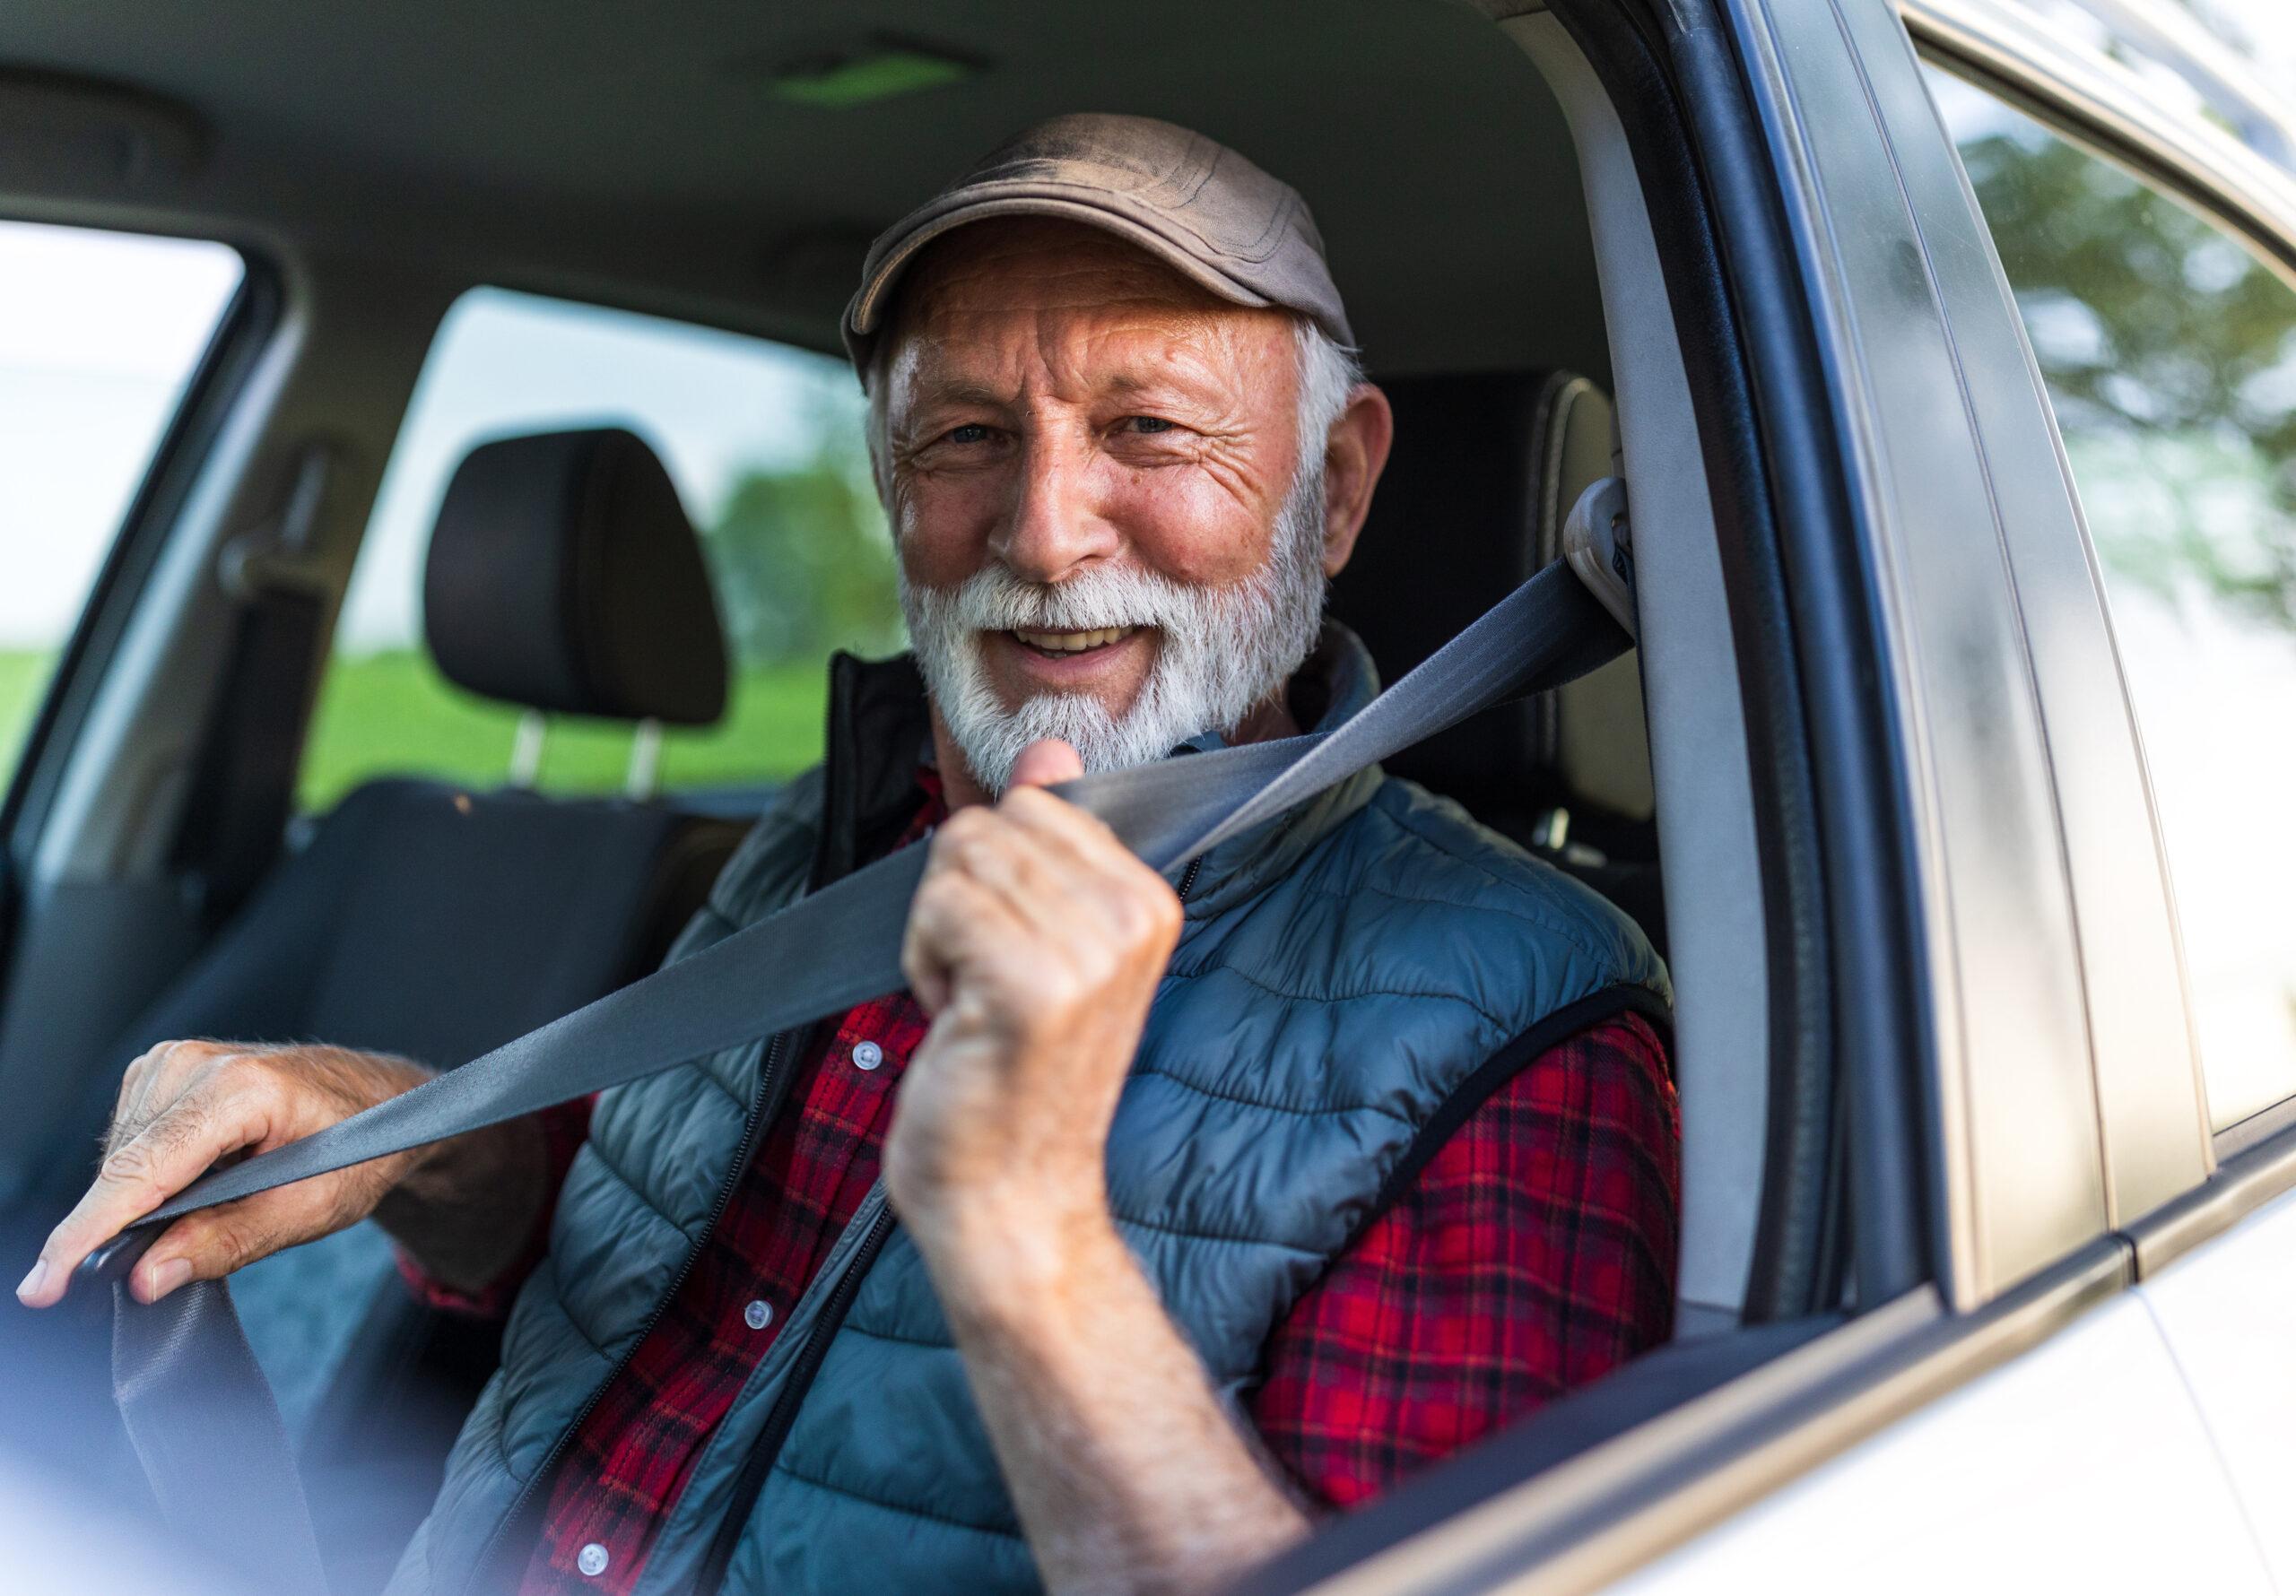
(1352, 978)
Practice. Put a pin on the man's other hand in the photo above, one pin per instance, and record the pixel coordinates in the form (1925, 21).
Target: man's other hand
(184, 1106)
(1036, 941)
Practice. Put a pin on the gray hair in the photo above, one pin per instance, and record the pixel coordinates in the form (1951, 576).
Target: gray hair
(1329, 372)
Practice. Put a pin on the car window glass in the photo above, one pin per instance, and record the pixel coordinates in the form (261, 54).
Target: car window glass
(100, 333)
(2168, 350)
(764, 443)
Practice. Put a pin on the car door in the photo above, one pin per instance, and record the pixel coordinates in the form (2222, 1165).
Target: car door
(2155, 261)
(2145, 1446)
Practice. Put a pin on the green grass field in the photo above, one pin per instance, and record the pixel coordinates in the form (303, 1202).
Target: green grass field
(22, 675)
(393, 714)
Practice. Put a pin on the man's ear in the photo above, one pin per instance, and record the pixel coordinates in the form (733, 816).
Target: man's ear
(1353, 461)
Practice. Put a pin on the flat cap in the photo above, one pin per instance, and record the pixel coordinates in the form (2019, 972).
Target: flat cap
(1194, 204)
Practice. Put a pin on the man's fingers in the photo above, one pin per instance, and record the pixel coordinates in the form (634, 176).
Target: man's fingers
(952, 917)
(205, 1245)
(168, 1155)
(154, 1079)
(1046, 762)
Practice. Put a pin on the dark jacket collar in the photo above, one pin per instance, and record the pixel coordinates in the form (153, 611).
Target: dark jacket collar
(878, 722)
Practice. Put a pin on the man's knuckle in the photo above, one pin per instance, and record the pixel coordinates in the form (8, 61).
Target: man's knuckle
(1165, 911)
(933, 900)
(188, 1055)
(233, 1240)
(1139, 913)
(235, 1069)
(130, 1164)
(963, 828)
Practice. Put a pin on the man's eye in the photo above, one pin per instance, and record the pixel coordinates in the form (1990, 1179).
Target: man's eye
(1147, 423)
(970, 432)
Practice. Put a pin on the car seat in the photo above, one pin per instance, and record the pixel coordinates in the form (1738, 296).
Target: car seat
(428, 919)
(1484, 470)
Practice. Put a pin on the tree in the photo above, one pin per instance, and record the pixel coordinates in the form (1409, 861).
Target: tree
(2169, 352)
(804, 563)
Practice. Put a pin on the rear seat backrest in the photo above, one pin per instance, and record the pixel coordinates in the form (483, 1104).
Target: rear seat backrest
(430, 920)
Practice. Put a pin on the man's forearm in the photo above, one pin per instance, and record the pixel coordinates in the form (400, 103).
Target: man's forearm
(1128, 1472)
(467, 1209)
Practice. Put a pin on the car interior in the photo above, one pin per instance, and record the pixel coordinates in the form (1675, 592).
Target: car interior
(1486, 220)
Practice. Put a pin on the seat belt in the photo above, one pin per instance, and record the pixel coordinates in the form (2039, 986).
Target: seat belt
(196, 1405)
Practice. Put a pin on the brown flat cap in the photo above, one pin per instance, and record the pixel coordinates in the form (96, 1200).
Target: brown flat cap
(1196, 205)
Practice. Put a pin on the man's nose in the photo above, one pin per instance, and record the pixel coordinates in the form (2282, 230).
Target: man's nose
(1056, 521)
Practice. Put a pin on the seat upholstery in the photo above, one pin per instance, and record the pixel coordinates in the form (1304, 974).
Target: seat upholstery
(431, 921)
(1485, 468)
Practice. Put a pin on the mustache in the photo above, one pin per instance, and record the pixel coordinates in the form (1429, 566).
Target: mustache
(995, 600)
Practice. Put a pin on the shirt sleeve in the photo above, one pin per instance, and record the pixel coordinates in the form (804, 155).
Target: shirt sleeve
(1533, 1252)
(564, 1128)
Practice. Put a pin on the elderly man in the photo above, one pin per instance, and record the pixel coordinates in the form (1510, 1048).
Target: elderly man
(1219, 1202)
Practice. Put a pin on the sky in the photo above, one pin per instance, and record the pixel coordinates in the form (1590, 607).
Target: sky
(2264, 30)
(86, 383)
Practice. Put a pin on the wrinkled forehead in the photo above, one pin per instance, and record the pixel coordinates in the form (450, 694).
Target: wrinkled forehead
(977, 295)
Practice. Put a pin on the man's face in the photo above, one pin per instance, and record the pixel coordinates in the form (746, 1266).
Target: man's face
(1094, 492)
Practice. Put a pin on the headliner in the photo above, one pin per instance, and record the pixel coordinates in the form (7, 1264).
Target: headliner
(634, 155)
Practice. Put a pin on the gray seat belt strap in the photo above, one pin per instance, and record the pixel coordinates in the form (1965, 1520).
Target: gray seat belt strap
(194, 1403)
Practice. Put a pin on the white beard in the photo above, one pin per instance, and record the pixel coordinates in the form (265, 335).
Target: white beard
(1221, 650)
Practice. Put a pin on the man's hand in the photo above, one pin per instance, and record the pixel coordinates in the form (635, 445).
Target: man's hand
(1036, 943)
(186, 1106)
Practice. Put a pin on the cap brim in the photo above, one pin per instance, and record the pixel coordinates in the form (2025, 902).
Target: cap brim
(867, 310)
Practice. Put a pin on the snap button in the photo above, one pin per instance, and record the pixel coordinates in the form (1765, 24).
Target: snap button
(758, 1314)
(591, 1560)
(868, 1055)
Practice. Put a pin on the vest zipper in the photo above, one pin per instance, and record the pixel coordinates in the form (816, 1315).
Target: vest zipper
(1187, 877)
(767, 1074)
(711, 1574)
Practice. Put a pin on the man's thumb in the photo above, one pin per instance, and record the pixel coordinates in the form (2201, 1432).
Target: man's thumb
(1046, 762)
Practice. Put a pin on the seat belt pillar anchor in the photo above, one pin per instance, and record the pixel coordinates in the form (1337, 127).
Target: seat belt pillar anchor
(1599, 546)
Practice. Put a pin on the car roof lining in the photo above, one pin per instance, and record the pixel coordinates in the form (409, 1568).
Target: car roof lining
(639, 156)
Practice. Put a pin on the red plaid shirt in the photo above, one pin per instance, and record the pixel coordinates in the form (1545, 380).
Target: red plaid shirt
(1533, 1252)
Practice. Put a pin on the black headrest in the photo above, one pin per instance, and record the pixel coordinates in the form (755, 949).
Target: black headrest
(1485, 468)
(564, 576)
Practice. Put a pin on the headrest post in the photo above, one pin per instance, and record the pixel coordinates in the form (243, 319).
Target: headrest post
(644, 761)
(526, 749)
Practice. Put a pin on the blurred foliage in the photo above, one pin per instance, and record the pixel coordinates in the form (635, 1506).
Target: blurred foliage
(802, 561)
(2169, 352)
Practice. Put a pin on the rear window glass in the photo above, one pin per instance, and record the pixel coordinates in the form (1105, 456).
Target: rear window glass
(765, 445)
